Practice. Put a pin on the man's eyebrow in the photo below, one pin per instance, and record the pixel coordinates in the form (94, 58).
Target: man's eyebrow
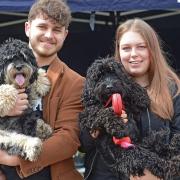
(59, 27)
(41, 23)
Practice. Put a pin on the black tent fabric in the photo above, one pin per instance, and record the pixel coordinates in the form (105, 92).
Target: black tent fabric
(96, 5)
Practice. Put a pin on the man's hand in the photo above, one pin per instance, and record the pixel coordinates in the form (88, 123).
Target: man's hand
(148, 176)
(8, 160)
(21, 104)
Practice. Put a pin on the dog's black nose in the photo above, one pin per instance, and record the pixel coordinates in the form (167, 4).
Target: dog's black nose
(19, 67)
(109, 86)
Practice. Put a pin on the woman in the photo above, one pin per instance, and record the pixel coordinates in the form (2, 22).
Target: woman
(138, 48)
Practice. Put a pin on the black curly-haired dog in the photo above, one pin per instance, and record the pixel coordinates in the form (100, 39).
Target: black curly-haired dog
(21, 135)
(104, 78)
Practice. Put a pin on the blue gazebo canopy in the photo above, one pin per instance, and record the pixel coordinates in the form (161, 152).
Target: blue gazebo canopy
(96, 5)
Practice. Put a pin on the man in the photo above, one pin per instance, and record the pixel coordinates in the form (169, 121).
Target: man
(47, 28)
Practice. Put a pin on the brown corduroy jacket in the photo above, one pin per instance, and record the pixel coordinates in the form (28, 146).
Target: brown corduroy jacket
(60, 109)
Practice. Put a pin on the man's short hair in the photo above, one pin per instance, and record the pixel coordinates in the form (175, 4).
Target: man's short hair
(56, 10)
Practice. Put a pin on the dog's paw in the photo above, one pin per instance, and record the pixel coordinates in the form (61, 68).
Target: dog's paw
(111, 122)
(43, 130)
(32, 148)
(40, 87)
(42, 84)
(8, 97)
(27, 147)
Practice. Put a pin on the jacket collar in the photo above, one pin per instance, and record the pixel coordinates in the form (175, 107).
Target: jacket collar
(54, 71)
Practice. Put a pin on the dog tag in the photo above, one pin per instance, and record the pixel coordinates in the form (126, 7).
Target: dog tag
(117, 103)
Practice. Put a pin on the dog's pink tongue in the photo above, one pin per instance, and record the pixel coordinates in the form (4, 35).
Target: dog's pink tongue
(20, 79)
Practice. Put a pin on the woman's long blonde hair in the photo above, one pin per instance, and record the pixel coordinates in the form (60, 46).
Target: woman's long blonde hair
(160, 73)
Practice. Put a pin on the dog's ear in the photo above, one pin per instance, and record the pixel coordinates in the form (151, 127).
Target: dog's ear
(118, 68)
(2, 81)
(88, 97)
(1, 66)
(34, 75)
(34, 65)
(2, 72)
(30, 59)
(135, 94)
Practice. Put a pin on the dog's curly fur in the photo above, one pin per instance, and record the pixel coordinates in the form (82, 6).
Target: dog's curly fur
(104, 78)
(21, 135)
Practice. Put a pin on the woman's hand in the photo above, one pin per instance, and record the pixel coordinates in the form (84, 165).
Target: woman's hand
(9, 160)
(21, 104)
(95, 133)
(124, 116)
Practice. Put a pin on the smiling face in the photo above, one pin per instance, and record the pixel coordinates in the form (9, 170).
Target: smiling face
(46, 36)
(134, 55)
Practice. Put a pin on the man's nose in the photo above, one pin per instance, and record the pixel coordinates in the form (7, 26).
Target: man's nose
(49, 34)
